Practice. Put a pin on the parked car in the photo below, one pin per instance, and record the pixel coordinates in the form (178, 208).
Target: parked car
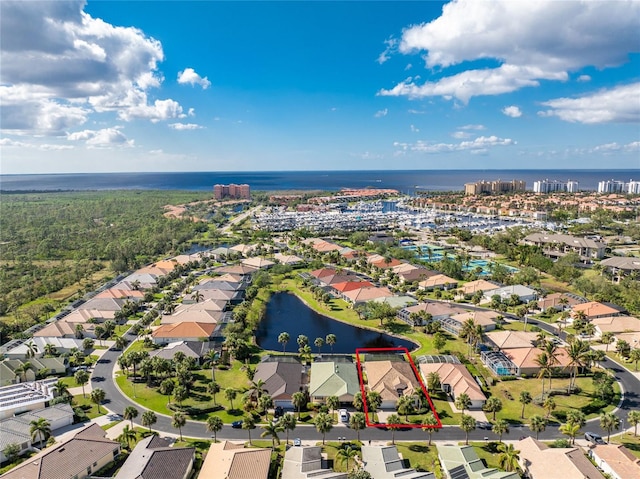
(344, 415)
(236, 424)
(594, 438)
(278, 411)
(484, 425)
(297, 442)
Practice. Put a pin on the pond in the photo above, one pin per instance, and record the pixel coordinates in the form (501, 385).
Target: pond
(286, 312)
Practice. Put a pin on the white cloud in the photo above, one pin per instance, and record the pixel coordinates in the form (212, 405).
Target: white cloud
(472, 127)
(106, 137)
(381, 113)
(60, 65)
(584, 78)
(461, 135)
(634, 146)
(512, 111)
(478, 145)
(414, 129)
(185, 126)
(615, 105)
(192, 78)
(416, 112)
(531, 41)
(390, 47)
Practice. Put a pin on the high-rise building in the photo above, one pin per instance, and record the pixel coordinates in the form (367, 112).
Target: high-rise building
(572, 186)
(551, 186)
(633, 187)
(496, 186)
(611, 186)
(232, 191)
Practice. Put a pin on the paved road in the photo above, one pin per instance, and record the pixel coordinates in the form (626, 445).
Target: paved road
(102, 377)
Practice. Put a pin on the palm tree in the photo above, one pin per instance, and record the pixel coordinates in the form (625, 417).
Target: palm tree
(211, 358)
(166, 388)
(40, 428)
(230, 394)
(213, 388)
(318, 343)
(332, 403)
(256, 389)
(120, 342)
(127, 436)
(374, 400)
(525, 398)
(289, 423)
(467, 424)
(32, 350)
(500, 427)
(570, 429)
(62, 390)
(178, 421)
(392, 423)
(462, 402)
(357, 422)
(265, 403)
(272, 429)
(537, 424)
(331, 340)
(577, 352)
(609, 422)
(431, 421)
(493, 404)
(130, 413)
(545, 367)
(549, 405)
(248, 423)
(22, 369)
(509, 456)
(283, 338)
(405, 406)
(299, 399)
(551, 349)
(634, 419)
(346, 454)
(433, 382)
(97, 396)
(323, 423)
(214, 424)
(180, 393)
(634, 357)
(607, 338)
(50, 349)
(149, 418)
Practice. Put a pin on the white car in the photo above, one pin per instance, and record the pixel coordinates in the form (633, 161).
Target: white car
(344, 415)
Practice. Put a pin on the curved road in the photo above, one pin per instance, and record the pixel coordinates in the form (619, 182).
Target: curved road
(116, 402)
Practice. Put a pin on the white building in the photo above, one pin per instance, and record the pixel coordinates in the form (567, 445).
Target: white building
(611, 186)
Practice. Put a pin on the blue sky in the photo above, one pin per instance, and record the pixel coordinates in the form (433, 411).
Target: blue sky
(105, 86)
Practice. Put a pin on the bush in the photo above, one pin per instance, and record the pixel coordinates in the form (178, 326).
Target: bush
(560, 443)
(561, 416)
(594, 406)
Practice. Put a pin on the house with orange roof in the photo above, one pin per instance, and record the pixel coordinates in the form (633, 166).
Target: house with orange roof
(363, 295)
(319, 273)
(455, 379)
(226, 460)
(438, 281)
(391, 379)
(183, 331)
(536, 458)
(594, 309)
(386, 263)
(558, 301)
(473, 287)
(115, 293)
(84, 315)
(65, 329)
(616, 461)
(524, 360)
(326, 247)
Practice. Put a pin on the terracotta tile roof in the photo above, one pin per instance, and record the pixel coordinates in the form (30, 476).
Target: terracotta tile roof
(438, 280)
(319, 273)
(478, 285)
(233, 462)
(481, 318)
(388, 377)
(351, 285)
(512, 339)
(185, 329)
(367, 294)
(457, 376)
(535, 458)
(526, 357)
(64, 328)
(116, 293)
(619, 459)
(593, 309)
(617, 324)
(332, 279)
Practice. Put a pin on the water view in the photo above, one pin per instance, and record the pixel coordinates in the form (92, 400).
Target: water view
(286, 312)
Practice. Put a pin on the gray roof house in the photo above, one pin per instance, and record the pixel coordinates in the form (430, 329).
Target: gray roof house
(306, 463)
(281, 380)
(383, 462)
(524, 293)
(153, 458)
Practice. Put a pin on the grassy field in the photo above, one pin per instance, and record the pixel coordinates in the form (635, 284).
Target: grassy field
(488, 452)
(90, 409)
(421, 457)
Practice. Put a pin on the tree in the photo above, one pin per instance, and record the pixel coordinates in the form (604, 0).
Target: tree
(130, 413)
(121, 342)
(634, 357)
(433, 382)
(525, 398)
(318, 343)
(607, 338)
(374, 400)
(542, 360)
(634, 419)
(299, 399)
(248, 423)
(127, 436)
(230, 394)
(609, 422)
(393, 420)
(289, 423)
(180, 393)
(332, 403)
(431, 421)
(302, 341)
(499, 428)
(577, 352)
(283, 338)
(40, 428)
(493, 405)
(22, 369)
(272, 430)
(346, 454)
(549, 405)
(405, 406)
(537, 424)
(32, 350)
(570, 429)
(462, 402)
(265, 403)
(166, 388)
(331, 339)
(214, 424)
(178, 421)
(213, 388)
(357, 422)
(97, 396)
(467, 424)
(11, 451)
(323, 423)
(439, 341)
(62, 390)
(359, 474)
(211, 358)
(357, 402)
(149, 418)
(508, 458)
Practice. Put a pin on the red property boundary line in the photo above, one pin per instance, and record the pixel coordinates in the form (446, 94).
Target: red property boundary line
(404, 351)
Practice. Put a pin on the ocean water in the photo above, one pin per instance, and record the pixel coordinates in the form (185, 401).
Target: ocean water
(405, 181)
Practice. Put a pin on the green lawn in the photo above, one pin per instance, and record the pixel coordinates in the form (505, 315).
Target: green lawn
(629, 441)
(488, 452)
(421, 456)
(90, 409)
(331, 449)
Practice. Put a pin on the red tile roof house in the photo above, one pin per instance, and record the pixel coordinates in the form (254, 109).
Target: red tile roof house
(341, 288)
(184, 331)
(438, 281)
(594, 309)
(363, 295)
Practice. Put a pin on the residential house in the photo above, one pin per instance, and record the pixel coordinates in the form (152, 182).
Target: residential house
(438, 281)
(524, 293)
(183, 331)
(524, 359)
(620, 266)
(337, 278)
(216, 283)
(616, 461)
(616, 324)
(154, 458)
(384, 462)
(436, 309)
(67, 329)
(17, 429)
(226, 460)
(455, 379)
(463, 462)
(392, 380)
(283, 377)
(482, 285)
(558, 245)
(306, 462)
(223, 296)
(340, 288)
(79, 457)
(258, 263)
(191, 349)
(12, 369)
(197, 316)
(243, 249)
(237, 269)
(142, 279)
(103, 304)
(121, 293)
(288, 259)
(535, 458)
(363, 295)
(559, 301)
(594, 309)
(89, 315)
(415, 274)
(61, 345)
(511, 339)
(397, 302)
(485, 319)
(25, 396)
(331, 378)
